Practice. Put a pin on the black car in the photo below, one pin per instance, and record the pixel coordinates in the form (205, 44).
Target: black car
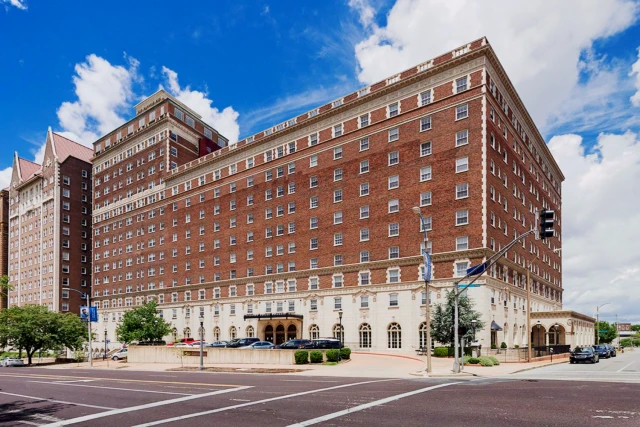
(326, 343)
(612, 350)
(602, 350)
(242, 342)
(295, 344)
(584, 354)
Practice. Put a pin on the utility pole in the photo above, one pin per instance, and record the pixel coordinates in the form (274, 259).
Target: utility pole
(598, 321)
(427, 277)
(529, 313)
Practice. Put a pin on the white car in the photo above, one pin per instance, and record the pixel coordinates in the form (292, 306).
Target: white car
(10, 361)
(121, 354)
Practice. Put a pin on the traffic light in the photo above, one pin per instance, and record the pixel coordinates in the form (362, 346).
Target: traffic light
(462, 330)
(546, 223)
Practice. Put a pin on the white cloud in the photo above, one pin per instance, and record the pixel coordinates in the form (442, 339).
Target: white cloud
(364, 10)
(104, 93)
(538, 43)
(5, 177)
(635, 69)
(225, 121)
(20, 4)
(601, 222)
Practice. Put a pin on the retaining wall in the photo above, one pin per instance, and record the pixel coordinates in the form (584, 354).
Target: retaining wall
(191, 355)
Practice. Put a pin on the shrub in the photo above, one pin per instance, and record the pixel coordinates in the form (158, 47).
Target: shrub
(332, 355)
(485, 361)
(316, 356)
(345, 353)
(516, 346)
(473, 361)
(503, 345)
(493, 346)
(494, 360)
(441, 352)
(302, 357)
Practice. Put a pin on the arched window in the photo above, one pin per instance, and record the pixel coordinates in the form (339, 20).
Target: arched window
(422, 335)
(365, 335)
(314, 332)
(187, 333)
(233, 333)
(394, 336)
(250, 332)
(174, 332)
(338, 332)
(216, 334)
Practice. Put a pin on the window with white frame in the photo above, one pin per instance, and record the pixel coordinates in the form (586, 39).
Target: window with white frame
(337, 130)
(338, 280)
(364, 278)
(462, 243)
(462, 111)
(363, 120)
(337, 153)
(364, 212)
(394, 252)
(425, 149)
(394, 158)
(461, 268)
(462, 164)
(425, 98)
(393, 110)
(393, 182)
(462, 138)
(337, 303)
(425, 198)
(364, 144)
(364, 234)
(461, 84)
(393, 300)
(393, 205)
(393, 275)
(364, 166)
(337, 239)
(394, 229)
(425, 173)
(462, 190)
(425, 123)
(462, 217)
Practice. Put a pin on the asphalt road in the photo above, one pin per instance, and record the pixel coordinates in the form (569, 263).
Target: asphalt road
(39, 396)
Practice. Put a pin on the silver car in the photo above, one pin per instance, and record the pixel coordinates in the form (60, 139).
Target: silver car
(121, 354)
(261, 345)
(10, 361)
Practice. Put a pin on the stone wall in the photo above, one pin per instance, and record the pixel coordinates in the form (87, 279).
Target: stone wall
(191, 355)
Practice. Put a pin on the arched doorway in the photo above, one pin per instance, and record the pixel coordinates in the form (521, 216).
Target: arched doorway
(557, 336)
(233, 333)
(538, 336)
(394, 336)
(365, 335)
(279, 334)
(268, 333)
(338, 332)
(292, 332)
(216, 334)
(187, 332)
(422, 335)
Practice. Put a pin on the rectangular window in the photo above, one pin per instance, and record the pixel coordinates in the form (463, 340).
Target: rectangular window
(337, 153)
(337, 196)
(364, 189)
(425, 123)
(462, 243)
(462, 191)
(364, 301)
(462, 138)
(425, 198)
(337, 303)
(393, 109)
(425, 98)
(393, 182)
(364, 166)
(461, 84)
(394, 252)
(364, 256)
(394, 205)
(462, 164)
(313, 139)
(364, 144)
(425, 173)
(394, 229)
(394, 134)
(462, 112)
(364, 234)
(462, 217)
(393, 300)
(364, 212)
(425, 149)
(337, 130)
(394, 158)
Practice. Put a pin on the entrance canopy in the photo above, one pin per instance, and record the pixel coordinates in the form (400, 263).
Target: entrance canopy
(269, 316)
(495, 326)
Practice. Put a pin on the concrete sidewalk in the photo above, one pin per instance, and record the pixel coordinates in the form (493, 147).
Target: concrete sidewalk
(365, 365)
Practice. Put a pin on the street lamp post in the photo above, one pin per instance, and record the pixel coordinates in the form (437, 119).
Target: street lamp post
(538, 324)
(201, 368)
(473, 326)
(598, 321)
(427, 269)
(86, 296)
(341, 335)
(104, 356)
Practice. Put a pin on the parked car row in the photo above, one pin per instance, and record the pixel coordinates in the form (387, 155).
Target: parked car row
(592, 354)
(256, 343)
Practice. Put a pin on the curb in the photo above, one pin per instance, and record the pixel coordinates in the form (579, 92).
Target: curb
(536, 367)
(402, 356)
(451, 375)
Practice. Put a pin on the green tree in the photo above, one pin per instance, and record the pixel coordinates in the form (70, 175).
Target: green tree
(143, 324)
(607, 331)
(442, 321)
(5, 287)
(34, 328)
(634, 328)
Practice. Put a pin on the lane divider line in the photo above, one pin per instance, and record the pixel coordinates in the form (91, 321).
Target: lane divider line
(622, 369)
(117, 379)
(368, 405)
(113, 388)
(55, 401)
(257, 402)
(141, 407)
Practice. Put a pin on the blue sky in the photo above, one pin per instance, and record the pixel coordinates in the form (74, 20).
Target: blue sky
(80, 66)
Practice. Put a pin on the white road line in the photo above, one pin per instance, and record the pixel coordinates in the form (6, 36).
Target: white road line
(141, 407)
(368, 405)
(308, 381)
(54, 401)
(74, 381)
(113, 388)
(257, 402)
(622, 369)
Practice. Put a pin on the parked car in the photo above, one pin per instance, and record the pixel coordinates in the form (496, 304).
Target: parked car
(120, 354)
(242, 342)
(602, 350)
(584, 354)
(295, 344)
(261, 345)
(612, 350)
(326, 343)
(11, 361)
(182, 341)
(218, 344)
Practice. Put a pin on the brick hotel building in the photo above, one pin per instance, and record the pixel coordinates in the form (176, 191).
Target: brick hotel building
(275, 234)
(49, 219)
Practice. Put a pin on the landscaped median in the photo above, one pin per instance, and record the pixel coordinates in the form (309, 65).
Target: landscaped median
(191, 355)
(332, 356)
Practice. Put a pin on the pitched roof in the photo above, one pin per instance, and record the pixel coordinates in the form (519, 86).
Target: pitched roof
(27, 169)
(64, 147)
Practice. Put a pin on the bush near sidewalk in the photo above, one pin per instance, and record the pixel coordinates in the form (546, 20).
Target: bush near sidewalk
(301, 357)
(316, 356)
(345, 353)
(332, 355)
(485, 361)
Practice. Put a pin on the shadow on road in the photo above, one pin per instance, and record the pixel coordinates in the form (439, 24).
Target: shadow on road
(18, 411)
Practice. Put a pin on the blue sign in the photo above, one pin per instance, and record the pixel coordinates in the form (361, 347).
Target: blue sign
(473, 285)
(93, 314)
(427, 265)
(477, 269)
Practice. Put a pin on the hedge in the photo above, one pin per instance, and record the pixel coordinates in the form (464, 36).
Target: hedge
(473, 361)
(494, 360)
(333, 355)
(345, 353)
(316, 356)
(485, 361)
(449, 351)
(302, 357)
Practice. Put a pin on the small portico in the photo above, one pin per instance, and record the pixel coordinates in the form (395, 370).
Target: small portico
(277, 328)
(561, 328)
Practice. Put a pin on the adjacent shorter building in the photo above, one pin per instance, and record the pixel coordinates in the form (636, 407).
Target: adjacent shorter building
(50, 226)
(4, 241)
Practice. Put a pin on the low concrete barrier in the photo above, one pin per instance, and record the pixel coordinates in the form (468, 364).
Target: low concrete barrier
(191, 355)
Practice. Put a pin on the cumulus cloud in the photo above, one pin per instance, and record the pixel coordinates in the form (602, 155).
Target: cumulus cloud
(601, 222)
(20, 4)
(635, 70)
(539, 44)
(104, 93)
(225, 121)
(5, 177)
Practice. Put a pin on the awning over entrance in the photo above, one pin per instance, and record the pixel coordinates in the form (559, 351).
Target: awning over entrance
(268, 316)
(495, 326)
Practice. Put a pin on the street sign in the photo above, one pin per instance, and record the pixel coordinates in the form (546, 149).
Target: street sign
(473, 285)
(603, 331)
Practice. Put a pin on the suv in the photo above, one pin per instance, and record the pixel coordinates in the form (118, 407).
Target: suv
(242, 342)
(325, 343)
